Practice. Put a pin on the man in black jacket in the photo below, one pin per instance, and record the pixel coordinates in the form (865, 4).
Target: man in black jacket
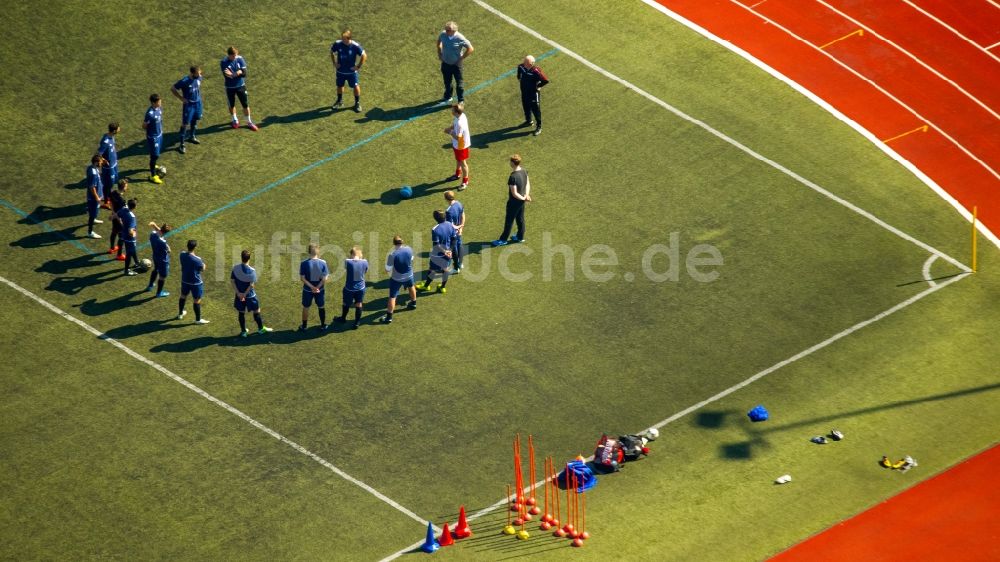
(532, 79)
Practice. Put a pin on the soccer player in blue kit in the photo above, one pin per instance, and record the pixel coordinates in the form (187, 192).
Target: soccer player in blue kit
(109, 159)
(234, 69)
(188, 90)
(95, 194)
(314, 273)
(243, 278)
(192, 284)
(443, 238)
(455, 213)
(161, 258)
(355, 268)
(127, 236)
(153, 125)
(344, 54)
(399, 264)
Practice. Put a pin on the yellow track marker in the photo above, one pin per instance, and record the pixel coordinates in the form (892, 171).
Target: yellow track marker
(922, 129)
(858, 32)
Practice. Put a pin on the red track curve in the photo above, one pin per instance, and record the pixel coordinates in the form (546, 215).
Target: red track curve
(881, 88)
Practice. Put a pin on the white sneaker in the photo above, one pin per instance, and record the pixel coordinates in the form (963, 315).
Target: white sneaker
(93, 235)
(202, 321)
(182, 314)
(98, 221)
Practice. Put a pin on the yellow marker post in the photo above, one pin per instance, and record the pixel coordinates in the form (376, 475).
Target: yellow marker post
(973, 239)
(858, 32)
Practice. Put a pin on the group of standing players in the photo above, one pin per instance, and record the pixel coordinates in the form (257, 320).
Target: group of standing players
(347, 57)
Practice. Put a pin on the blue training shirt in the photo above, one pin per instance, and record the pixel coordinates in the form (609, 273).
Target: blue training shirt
(128, 223)
(233, 65)
(244, 277)
(94, 180)
(347, 55)
(190, 88)
(191, 268)
(442, 237)
(314, 270)
(108, 150)
(161, 251)
(454, 213)
(400, 262)
(356, 270)
(154, 122)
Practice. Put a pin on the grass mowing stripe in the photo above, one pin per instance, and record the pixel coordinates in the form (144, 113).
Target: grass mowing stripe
(46, 226)
(231, 409)
(338, 154)
(744, 383)
(722, 136)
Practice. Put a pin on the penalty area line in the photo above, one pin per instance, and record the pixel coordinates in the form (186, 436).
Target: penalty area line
(225, 406)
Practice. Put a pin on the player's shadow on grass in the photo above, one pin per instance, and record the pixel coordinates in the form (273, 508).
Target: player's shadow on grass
(277, 337)
(391, 196)
(171, 140)
(71, 285)
(483, 140)
(147, 327)
(299, 117)
(44, 213)
(92, 307)
(61, 267)
(401, 113)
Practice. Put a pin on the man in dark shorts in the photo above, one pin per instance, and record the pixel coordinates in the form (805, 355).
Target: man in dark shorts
(234, 70)
(95, 194)
(128, 234)
(108, 151)
(313, 272)
(455, 214)
(399, 264)
(518, 194)
(188, 90)
(443, 239)
(243, 279)
(355, 268)
(152, 123)
(345, 54)
(117, 201)
(161, 258)
(192, 284)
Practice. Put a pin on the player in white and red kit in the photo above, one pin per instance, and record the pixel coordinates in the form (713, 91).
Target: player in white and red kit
(461, 139)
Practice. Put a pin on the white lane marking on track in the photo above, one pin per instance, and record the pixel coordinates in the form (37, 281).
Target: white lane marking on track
(952, 29)
(927, 271)
(965, 213)
(874, 85)
(954, 84)
(231, 409)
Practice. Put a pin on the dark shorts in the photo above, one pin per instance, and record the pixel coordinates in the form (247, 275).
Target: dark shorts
(351, 78)
(109, 177)
(354, 296)
(129, 247)
(308, 297)
(196, 290)
(395, 286)
(92, 208)
(154, 145)
(162, 268)
(439, 262)
(250, 304)
(190, 112)
(233, 93)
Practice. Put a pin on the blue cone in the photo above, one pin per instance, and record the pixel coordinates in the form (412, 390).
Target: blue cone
(430, 544)
(758, 414)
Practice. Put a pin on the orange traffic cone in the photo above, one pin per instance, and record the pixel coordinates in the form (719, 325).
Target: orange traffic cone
(462, 529)
(446, 539)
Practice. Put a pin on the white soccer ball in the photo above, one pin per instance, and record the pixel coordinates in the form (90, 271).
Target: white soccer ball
(146, 264)
(161, 171)
(651, 433)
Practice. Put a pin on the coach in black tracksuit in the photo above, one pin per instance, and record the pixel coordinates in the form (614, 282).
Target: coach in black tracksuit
(531, 79)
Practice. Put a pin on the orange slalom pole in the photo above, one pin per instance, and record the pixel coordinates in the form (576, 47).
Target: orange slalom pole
(531, 470)
(583, 533)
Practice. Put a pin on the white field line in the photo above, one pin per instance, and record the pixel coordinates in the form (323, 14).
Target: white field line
(995, 5)
(720, 135)
(746, 382)
(874, 84)
(952, 29)
(954, 84)
(231, 409)
(965, 213)
(927, 271)
(993, 45)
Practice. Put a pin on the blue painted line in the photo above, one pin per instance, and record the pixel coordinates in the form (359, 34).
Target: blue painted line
(46, 227)
(338, 154)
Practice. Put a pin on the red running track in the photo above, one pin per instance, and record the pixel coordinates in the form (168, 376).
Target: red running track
(917, 524)
(880, 87)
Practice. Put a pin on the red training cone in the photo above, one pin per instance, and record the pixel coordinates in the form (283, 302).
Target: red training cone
(462, 529)
(446, 539)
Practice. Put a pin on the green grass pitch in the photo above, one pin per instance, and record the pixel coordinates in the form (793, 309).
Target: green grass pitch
(105, 457)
